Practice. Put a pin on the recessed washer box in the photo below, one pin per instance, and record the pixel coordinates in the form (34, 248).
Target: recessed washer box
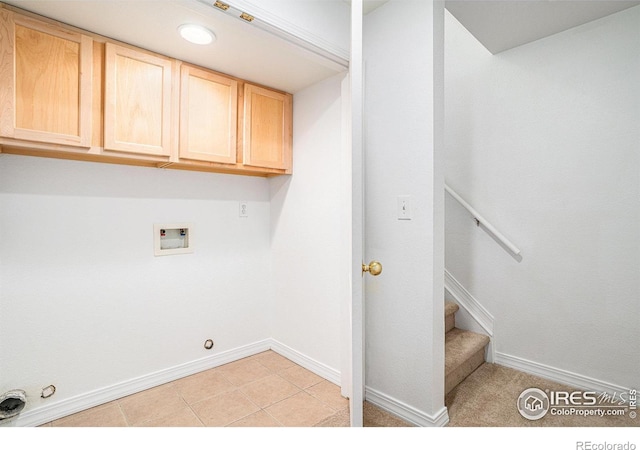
(172, 238)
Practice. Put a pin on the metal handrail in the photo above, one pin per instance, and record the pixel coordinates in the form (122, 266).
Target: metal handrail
(482, 221)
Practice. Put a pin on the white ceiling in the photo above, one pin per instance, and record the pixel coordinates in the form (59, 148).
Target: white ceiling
(501, 25)
(240, 50)
(248, 52)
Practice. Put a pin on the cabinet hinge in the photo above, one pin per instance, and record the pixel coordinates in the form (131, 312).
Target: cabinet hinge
(220, 5)
(247, 17)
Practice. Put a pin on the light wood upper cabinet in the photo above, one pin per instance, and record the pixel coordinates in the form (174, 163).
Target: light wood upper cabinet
(137, 101)
(69, 93)
(46, 82)
(208, 116)
(267, 122)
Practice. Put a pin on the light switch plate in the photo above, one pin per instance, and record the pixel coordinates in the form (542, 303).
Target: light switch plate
(404, 207)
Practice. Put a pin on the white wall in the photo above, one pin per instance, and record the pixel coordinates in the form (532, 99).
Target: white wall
(403, 120)
(544, 141)
(84, 304)
(309, 228)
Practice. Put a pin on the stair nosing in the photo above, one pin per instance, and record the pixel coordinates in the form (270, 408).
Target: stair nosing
(450, 308)
(456, 335)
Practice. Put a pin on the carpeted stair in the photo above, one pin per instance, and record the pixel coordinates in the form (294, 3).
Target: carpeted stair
(464, 350)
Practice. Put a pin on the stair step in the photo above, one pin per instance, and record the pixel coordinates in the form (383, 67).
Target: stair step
(464, 353)
(450, 309)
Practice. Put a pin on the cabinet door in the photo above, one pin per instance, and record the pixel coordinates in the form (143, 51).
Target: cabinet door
(137, 109)
(266, 139)
(46, 81)
(208, 116)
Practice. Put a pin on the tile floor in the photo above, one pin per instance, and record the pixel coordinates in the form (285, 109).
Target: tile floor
(264, 390)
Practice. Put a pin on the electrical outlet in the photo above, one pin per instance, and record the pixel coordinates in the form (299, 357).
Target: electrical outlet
(243, 209)
(404, 207)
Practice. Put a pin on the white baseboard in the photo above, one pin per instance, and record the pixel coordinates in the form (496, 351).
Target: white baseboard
(558, 375)
(406, 412)
(382, 401)
(57, 410)
(53, 411)
(320, 369)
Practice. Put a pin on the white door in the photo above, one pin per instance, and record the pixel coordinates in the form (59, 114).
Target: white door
(356, 316)
(359, 268)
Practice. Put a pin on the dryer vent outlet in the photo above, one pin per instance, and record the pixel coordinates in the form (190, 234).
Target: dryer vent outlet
(12, 403)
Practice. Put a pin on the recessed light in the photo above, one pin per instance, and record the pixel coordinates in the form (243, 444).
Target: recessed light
(196, 34)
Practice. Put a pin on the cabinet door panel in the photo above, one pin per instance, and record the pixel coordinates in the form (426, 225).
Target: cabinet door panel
(47, 90)
(137, 102)
(208, 116)
(266, 128)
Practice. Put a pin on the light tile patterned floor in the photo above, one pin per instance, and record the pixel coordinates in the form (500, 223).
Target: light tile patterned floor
(264, 390)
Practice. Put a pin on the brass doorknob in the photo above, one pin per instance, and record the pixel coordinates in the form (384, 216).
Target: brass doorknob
(374, 268)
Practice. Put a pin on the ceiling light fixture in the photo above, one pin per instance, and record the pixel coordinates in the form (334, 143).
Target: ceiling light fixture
(196, 34)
